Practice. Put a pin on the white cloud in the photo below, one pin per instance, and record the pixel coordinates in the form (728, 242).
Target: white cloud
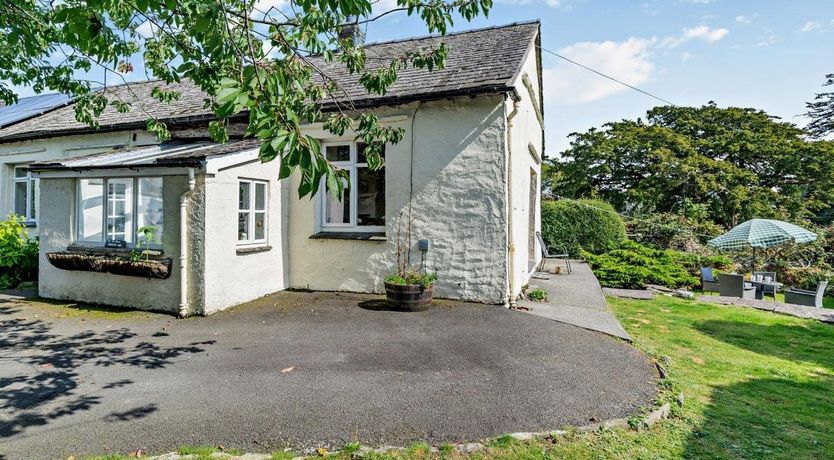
(745, 19)
(686, 56)
(628, 61)
(704, 33)
(769, 38)
(809, 26)
(147, 29)
(381, 6)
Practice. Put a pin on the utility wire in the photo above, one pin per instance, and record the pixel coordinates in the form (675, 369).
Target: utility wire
(607, 76)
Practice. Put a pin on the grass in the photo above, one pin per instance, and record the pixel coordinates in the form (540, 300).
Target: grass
(755, 385)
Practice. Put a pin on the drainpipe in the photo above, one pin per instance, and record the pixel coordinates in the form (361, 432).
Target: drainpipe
(192, 182)
(510, 237)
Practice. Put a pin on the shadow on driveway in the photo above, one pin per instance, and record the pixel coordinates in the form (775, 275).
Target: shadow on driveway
(304, 370)
(42, 369)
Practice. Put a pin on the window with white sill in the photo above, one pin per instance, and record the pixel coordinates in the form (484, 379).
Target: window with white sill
(361, 207)
(25, 194)
(252, 212)
(114, 209)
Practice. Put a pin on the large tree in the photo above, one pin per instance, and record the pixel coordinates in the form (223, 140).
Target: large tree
(725, 164)
(821, 111)
(249, 57)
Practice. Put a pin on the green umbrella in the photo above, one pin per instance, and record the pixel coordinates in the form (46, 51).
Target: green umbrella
(761, 234)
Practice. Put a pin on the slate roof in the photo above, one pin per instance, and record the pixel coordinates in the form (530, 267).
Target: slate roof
(479, 61)
(165, 154)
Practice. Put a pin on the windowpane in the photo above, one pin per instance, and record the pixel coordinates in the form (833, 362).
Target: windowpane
(33, 193)
(243, 195)
(260, 196)
(360, 149)
(337, 152)
(149, 212)
(119, 209)
(371, 197)
(20, 172)
(242, 226)
(260, 225)
(337, 211)
(91, 209)
(20, 198)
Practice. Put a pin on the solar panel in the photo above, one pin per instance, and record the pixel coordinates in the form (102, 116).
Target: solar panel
(28, 107)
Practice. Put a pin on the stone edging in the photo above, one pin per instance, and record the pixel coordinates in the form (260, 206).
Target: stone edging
(650, 419)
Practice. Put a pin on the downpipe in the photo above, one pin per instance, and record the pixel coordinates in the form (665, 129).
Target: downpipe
(511, 298)
(192, 182)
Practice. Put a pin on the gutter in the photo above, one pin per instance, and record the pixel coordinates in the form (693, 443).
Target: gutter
(192, 182)
(511, 299)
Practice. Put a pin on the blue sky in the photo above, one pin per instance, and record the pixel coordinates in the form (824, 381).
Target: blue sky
(772, 55)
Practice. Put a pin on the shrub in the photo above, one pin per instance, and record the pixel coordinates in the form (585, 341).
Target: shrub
(578, 225)
(18, 253)
(634, 265)
(674, 231)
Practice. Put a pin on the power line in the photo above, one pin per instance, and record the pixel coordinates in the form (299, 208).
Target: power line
(607, 76)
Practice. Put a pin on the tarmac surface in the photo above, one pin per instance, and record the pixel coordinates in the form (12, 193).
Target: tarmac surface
(300, 370)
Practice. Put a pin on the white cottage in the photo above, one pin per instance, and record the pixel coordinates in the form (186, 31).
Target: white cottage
(227, 231)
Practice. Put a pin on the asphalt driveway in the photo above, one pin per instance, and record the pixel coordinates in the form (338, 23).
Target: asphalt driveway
(302, 370)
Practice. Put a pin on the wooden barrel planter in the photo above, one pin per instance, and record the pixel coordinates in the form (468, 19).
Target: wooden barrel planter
(409, 297)
(151, 268)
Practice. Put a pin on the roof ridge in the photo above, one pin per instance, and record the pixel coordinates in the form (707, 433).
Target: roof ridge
(462, 32)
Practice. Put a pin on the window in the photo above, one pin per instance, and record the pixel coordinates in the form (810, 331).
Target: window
(25, 194)
(115, 209)
(362, 204)
(251, 213)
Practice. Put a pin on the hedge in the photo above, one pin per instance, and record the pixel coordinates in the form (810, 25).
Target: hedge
(578, 225)
(18, 253)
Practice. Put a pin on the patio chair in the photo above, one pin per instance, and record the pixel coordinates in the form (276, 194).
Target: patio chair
(768, 289)
(804, 297)
(730, 285)
(708, 281)
(563, 254)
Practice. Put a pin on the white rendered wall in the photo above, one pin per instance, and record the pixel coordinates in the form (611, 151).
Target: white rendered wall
(526, 131)
(58, 206)
(231, 278)
(26, 152)
(459, 204)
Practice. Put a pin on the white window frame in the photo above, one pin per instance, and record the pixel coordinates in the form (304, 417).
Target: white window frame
(32, 187)
(134, 205)
(351, 166)
(253, 211)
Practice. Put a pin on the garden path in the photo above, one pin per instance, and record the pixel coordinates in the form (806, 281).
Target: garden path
(575, 299)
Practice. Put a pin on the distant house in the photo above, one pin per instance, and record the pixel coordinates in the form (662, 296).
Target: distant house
(225, 230)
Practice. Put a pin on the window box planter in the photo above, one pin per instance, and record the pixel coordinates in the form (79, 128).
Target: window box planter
(152, 268)
(409, 297)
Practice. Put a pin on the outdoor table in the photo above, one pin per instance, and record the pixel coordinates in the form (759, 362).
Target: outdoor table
(760, 284)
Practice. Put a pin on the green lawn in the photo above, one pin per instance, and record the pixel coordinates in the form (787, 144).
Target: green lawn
(756, 385)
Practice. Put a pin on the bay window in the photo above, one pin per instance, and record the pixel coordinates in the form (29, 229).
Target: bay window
(361, 207)
(25, 194)
(114, 209)
(251, 214)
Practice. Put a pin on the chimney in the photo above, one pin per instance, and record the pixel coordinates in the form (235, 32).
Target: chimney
(352, 31)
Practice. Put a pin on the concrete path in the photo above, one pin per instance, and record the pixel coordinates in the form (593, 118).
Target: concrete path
(639, 294)
(825, 315)
(575, 299)
(300, 370)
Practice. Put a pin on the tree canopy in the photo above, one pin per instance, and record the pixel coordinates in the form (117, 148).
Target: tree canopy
(723, 164)
(249, 59)
(821, 111)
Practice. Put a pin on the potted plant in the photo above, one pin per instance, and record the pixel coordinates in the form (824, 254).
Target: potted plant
(409, 288)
